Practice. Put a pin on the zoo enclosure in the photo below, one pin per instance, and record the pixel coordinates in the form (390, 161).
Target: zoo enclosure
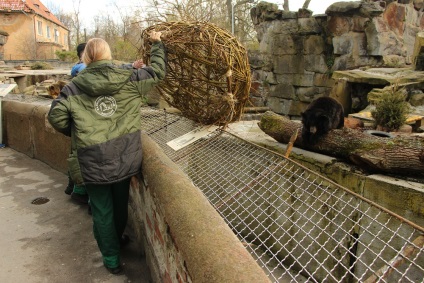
(299, 226)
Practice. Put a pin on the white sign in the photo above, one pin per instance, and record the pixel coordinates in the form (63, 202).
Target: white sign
(6, 88)
(191, 137)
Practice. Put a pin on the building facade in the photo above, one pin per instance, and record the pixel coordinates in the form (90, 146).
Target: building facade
(34, 32)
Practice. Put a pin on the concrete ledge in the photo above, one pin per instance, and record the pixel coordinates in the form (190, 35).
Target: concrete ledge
(28, 131)
(17, 126)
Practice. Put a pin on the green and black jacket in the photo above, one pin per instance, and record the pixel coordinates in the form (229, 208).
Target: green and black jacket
(100, 111)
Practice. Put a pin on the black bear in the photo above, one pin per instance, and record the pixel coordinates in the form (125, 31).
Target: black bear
(322, 115)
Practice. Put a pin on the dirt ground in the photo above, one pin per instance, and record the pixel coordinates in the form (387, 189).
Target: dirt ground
(51, 242)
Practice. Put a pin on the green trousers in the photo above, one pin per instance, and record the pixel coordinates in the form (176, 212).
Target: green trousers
(109, 206)
(79, 190)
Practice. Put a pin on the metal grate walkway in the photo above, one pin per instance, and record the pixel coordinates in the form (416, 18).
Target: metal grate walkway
(299, 226)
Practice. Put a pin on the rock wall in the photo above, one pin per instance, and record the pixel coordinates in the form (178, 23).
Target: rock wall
(298, 52)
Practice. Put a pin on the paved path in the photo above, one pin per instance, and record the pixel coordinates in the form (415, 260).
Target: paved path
(51, 242)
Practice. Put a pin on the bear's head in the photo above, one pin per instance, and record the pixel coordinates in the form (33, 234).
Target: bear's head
(315, 124)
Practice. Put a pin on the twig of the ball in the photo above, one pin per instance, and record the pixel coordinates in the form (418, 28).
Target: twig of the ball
(291, 143)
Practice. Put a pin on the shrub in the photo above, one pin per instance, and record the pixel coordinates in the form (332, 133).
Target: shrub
(41, 66)
(391, 109)
(67, 56)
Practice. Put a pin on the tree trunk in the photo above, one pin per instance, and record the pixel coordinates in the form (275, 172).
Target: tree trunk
(400, 155)
(306, 4)
(286, 5)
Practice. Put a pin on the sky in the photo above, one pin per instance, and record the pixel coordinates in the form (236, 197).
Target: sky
(89, 8)
(317, 6)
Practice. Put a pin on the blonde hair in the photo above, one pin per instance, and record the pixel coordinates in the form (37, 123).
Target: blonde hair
(96, 49)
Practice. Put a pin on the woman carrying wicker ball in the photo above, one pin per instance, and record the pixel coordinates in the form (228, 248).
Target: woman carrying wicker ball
(100, 111)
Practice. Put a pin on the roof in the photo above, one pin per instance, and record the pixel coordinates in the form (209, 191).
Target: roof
(30, 6)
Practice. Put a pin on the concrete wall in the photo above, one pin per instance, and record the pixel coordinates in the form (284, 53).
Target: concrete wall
(184, 238)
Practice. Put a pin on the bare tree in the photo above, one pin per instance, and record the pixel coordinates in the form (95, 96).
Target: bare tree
(219, 12)
(123, 35)
(243, 27)
(64, 18)
(76, 21)
(306, 4)
(286, 5)
(186, 10)
(71, 20)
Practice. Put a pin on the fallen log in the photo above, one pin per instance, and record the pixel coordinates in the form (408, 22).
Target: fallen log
(398, 155)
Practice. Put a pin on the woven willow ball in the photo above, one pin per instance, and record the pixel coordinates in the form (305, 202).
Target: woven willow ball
(208, 73)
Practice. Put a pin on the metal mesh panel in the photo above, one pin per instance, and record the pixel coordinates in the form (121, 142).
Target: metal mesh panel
(298, 225)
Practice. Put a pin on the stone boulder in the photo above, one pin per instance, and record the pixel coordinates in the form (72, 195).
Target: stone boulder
(343, 8)
(361, 8)
(417, 98)
(353, 123)
(264, 11)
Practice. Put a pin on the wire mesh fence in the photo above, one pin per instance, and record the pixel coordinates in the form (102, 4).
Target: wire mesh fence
(298, 225)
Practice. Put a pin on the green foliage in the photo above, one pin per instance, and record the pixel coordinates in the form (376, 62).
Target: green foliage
(124, 51)
(391, 109)
(330, 61)
(67, 56)
(41, 66)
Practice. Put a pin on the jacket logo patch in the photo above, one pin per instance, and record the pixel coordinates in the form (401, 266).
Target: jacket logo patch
(105, 106)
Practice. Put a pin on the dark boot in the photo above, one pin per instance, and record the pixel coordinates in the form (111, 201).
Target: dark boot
(115, 270)
(70, 186)
(82, 199)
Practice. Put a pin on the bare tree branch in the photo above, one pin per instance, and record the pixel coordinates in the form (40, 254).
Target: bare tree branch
(286, 5)
(306, 4)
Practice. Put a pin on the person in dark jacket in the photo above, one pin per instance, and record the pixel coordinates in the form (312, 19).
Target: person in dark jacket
(100, 110)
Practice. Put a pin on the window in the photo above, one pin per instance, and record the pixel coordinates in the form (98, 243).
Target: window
(56, 35)
(48, 31)
(40, 27)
